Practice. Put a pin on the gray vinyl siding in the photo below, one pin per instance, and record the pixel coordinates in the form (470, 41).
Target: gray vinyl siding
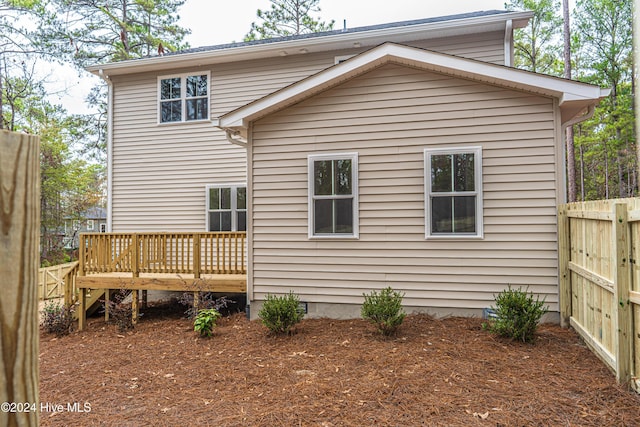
(389, 116)
(160, 171)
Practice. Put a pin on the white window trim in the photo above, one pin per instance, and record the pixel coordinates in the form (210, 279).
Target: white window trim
(183, 97)
(477, 151)
(234, 204)
(90, 225)
(103, 227)
(310, 184)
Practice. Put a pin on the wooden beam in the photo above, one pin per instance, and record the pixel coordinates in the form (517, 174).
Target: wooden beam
(621, 242)
(226, 283)
(592, 277)
(19, 252)
(564, 258)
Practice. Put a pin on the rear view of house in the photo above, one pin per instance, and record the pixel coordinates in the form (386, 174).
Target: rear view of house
(408, 155)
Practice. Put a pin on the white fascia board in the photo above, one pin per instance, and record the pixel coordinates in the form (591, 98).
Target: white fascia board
(564, 90)
(316, 44)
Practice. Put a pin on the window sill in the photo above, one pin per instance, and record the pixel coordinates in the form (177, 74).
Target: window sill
(454, 237)
(184, 122)
(335, 237)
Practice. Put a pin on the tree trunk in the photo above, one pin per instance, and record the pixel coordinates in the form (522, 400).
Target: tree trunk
(571, 155)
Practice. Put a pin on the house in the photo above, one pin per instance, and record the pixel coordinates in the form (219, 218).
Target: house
(93, 220)
(409, 155)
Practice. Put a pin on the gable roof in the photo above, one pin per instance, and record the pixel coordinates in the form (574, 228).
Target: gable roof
(574, 97)
(368, 36)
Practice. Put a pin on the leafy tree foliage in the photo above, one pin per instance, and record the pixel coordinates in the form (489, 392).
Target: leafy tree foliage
(535, 47)
(606, 157)
(113, 30)
(607, 141)
(68, 184)
(287, 18)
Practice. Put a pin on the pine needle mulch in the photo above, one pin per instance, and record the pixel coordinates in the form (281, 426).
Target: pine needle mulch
(447, 372)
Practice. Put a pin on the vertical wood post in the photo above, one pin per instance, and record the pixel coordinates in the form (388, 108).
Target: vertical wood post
(133, 250)
(19, 255)
(564, 255)
(82, 255)
(621, 242)
(82, 309)
(196, 255)
(134, 306)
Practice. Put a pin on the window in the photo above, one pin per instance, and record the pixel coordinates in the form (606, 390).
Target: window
(76, 224)
(183, 98)
(90, 225)
(333, 195)
(103, 228)
(227, 208)
(453, 199)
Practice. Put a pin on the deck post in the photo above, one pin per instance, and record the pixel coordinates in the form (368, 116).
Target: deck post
(623, 336)
(19, 255)
(135, 272)
(82, 309)
(196, 256)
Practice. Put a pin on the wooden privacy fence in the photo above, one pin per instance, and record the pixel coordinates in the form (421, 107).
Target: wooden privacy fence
(599, 250)
(57, 281)
(190, 253)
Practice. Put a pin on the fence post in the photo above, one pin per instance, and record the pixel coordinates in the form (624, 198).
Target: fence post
(564, 254)
(19, 254)
(622, 285)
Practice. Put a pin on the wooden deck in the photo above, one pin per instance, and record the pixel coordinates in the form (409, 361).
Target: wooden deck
(188, 262)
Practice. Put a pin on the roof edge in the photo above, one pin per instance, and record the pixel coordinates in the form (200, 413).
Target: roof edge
(322, 42)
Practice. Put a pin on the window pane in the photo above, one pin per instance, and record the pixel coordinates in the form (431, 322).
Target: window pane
(441, 215)
(170, 111)
(170, 88)
(344, 216)
(225, 221)
(196, 86)
(343, 176)
(441, 173)
(225, 198)
(464, 212)
(323, 216)
(242, 220)
(214, 221)
(464, 172)
(197, 108)
(322, 177)
(241, 198)
(214, 198)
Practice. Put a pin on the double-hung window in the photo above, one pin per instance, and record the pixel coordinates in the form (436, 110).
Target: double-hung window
(183, 98)
(333, 195)
(227, 208)
(453, 192)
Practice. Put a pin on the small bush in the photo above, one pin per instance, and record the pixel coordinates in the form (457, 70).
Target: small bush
(280, 314)
(205, 321)
(517, 314)
(57, 318)
(384, 310)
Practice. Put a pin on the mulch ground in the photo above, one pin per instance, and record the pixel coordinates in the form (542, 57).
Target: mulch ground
(447, 372)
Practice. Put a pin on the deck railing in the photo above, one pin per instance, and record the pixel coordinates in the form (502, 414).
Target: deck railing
(188, 253)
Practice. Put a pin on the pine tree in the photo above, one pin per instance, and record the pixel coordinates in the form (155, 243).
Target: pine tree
(287, 18)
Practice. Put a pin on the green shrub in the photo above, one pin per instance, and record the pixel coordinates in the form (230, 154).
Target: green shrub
(384, 310)
(280, 314)
(57, 318)
(205, 321)
(517, 314)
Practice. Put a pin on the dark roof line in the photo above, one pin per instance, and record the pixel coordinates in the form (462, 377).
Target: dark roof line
(344, 31)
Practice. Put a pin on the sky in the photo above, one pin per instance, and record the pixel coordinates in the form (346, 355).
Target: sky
(213, 22)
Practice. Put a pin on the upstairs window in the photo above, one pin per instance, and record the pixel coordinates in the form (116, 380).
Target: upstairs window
(333, 195)
(453, 199)
(183, 98)
(227, 208)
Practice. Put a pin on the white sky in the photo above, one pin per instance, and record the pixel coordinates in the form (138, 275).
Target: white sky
(213, 23)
